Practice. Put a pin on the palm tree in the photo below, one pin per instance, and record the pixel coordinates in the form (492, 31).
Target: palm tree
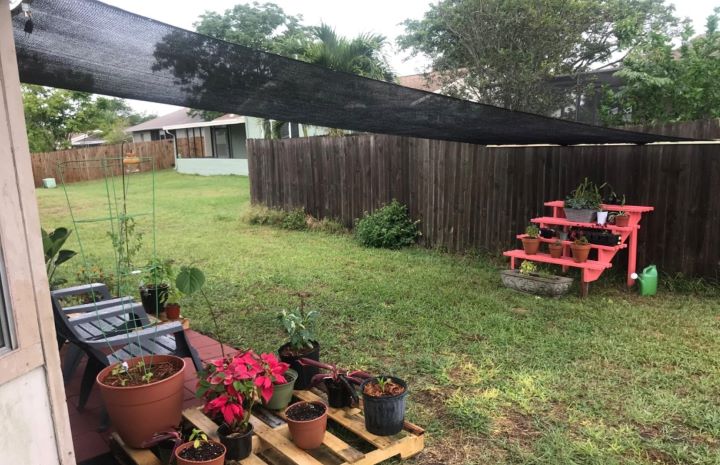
(362, 55)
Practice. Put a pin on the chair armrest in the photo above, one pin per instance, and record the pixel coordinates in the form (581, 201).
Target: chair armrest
(84, 308)
(97, 288)
(118, 310)
(138, 336)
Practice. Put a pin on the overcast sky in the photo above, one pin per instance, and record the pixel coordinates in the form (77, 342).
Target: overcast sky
(349, 18)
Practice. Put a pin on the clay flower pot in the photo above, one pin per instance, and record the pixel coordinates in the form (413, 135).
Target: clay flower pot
(310, 433)
(282, 393)
(622, 221)
(531, 245)
(556, 250)
(580, 252)
(219, 460)
(137, 412)
(172, 311)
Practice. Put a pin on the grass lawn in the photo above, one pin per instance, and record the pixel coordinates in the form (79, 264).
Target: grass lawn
(496, 377)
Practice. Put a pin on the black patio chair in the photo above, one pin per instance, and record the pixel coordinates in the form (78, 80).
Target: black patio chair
(110, 330)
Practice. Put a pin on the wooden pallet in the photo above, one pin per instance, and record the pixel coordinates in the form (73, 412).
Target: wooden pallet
(272, 444)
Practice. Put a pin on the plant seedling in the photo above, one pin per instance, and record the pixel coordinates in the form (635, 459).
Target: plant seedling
(197, 437)
(532, 231)
(582, 240)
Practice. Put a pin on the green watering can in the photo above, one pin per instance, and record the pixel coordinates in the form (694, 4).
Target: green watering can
(647, 280)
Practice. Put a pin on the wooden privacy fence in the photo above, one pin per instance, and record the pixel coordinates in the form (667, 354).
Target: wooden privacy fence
(191, 147)
(82, 164)
(476, 197)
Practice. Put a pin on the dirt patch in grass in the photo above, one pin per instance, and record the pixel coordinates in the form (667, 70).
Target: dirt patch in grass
(515, 427)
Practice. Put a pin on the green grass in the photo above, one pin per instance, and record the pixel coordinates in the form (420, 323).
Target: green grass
(495, 376)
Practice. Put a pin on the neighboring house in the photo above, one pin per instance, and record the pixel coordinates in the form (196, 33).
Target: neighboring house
(256, 129)
(585, 89)
(87, 139)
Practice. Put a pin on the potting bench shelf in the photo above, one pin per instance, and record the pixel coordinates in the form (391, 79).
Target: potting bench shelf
(272, 444)
(590, 269)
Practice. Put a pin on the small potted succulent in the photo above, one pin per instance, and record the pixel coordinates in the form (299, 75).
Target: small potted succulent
(583, 202)
(155, 285)
(199, 449)
(384, 404)
(231, 386)
(580, 249)
(556, 249)
(300, 328)
(531, 243)
(307, 422)
(339, 384)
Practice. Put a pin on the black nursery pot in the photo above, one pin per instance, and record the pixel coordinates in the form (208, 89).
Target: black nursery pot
(154, 298)
(384, 416)
(338, 394)
(305, 373)
(239, 445)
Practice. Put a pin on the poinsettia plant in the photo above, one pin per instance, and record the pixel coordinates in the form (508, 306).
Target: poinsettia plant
(232, 385)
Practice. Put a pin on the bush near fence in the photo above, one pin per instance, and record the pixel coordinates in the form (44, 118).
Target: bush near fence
(471, 197)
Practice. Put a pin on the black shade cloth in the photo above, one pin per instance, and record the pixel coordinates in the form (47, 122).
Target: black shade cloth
(89, 46)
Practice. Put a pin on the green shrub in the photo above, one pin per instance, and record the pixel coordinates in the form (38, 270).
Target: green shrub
(295, 220)
(259, 214)
(389, 227)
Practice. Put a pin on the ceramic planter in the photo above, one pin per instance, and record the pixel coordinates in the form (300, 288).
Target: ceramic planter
(602, 217)
(137, 412)
(181, 461)
(154, 298)
(580, 252)
(305, 373)
(307, 434)
(384, 416)
(551, 286)
(282, 393)
(556, 250)
(531, 245)
(238, 445)
(622, 221)
(580, 215)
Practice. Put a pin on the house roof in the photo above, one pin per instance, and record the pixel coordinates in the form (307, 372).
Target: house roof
(429, 82)
(224, 120)
(171, 119)
(92, 138)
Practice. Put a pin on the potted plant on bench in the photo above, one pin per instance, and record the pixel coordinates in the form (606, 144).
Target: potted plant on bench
(531, 243)
(583, 202)
(155, 285)
(384, 404)
(200, 450)
(556, 249)
(580, 249)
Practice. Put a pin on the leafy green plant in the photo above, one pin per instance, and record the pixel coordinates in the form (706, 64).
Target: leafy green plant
(582, 240)
(532, 231)
(528, 267)
(300, 326)
(190, 280)
(126, 242)
(388, 227)
(137, 373)
(295, 220)
(157, 272)
(197, 437)
(55, 255)
(585, 196)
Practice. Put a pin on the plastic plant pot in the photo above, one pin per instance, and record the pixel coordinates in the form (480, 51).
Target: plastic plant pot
(282, 393)
(384, 416)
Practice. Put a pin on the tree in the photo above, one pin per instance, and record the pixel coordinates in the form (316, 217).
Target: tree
(662, 83)
(51, 115)
(260, 26)
(361, 55)
(504, 52)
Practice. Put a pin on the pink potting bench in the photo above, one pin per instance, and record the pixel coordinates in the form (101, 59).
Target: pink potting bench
(590, 269)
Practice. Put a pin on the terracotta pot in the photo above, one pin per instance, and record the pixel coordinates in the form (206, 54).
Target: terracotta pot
(555, 250)
(307, 434)
(172, 311)
(137, 412)
(622, 220)
(531, 245)
(181, 461)
(580, 252)
(282, 393)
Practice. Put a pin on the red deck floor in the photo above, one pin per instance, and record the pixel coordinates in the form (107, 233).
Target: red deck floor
(90, 443)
